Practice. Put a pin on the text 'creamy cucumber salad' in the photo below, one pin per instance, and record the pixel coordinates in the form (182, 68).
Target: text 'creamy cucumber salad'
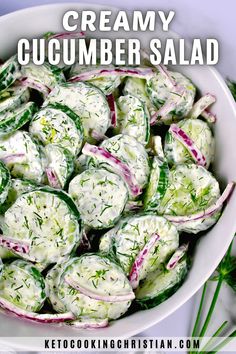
(105, 174)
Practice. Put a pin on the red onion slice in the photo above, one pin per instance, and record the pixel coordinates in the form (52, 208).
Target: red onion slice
(133, 205)
(26, 81)
(177, 256)
(89, 323)
(141, 73)
(14, 245)
(52, 178)
(112, 106)
(14, 158)
(183, 137)
(205, 213)
(67, 35)
(33, 316)
(100, 297)
(200, 106)
(85, 244)
(119, 166)
(209, 116)
(138, 263)
(168, 106)
(98, 136)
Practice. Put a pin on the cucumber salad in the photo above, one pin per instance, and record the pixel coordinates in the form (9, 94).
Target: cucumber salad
(105, 179)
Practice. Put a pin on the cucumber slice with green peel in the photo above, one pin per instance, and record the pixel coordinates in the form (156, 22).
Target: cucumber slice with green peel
(48, 221)
(60, 161)
(130, 152)
(11, 121)
(18, 187)
(200, 133)
(159, 91)
(5, 182)
(13, 97)
(160, 285)
(102, 280)
(52, 282)
(80, 164)
(191, 188)
(157, 185)
(23, 285)
(47, 75)
(88, 102)
(107, 242)
(106, 84)
(137, 87)
(9, 73)
(134, 233)
(100, 196)
(133, 118)
(58, 124)
(6, 254)
(22, 156)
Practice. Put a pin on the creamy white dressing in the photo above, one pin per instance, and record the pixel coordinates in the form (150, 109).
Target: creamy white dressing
(45, 221)
(88, 102)
(53, 126)
(100, 196)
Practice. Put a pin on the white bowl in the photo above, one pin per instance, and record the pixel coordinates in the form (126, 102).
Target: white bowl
(33, 22)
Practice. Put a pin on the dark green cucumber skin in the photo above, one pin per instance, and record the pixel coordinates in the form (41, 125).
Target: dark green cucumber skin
(6, 205)
(6, 177)
(69, 112)
(10, 124)
(57, 72)
(63, 196)
(161, 187)
(148, 302)
(7, 77)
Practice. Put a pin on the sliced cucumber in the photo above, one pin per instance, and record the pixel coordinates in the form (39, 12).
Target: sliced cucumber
(11, 121)
(48, 220)
(58, 124)
(60, 161)
(100, 276)
(13, 97)
(157, 185)
(5, 182)
(18, 187)
(129, 151)
(191, 188)
(88, 102)
(107, 240)
(133, 118)
(45, 74)
(134, 233)
(81, 164)
(23, 285)
(106, 84)
(201, 135)
(52, 282)
(5, 253)
(9, 73)
(160, 285)
(22, 156)
(100, 196)
(159, 92)
(137, 87)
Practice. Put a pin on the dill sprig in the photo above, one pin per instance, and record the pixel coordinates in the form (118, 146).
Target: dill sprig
(225, 273)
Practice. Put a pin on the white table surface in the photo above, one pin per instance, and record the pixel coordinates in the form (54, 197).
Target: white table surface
(193, 19)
